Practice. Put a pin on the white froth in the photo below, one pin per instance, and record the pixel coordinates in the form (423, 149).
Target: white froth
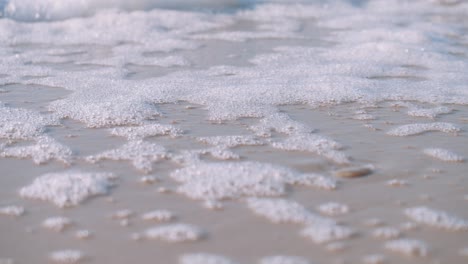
(158, 216)
(429, 112)
(280, 123)
(333, 209)
(67, 256)
(231, 141)
(324, 233)
(314, 180)
(122, 214)
(386, 233)
(149, 179)
(141, 154)
(436, 218)
(146, 130)
(283, 260)
(12, 210)
(57, 224)
(83, 234)
(17, 123)
(45, 150)
(416, 129)
(175, 233)
(396, 183)
(204, 258)
(69, 188)
(230, 180)
(285, 211)
(315, 144)
(104, 108)
(408, 247)
(443, 154)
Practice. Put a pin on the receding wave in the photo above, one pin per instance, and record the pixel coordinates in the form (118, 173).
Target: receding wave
(44, 10)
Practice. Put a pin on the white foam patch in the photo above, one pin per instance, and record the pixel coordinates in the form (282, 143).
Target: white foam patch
(315, 144)
(396, 183)
(105, 108)
(57, 224)
(231, 141)
(436, 218)
(12, 210)
(45, 150)
(285, 211)
(280, 123)
(408, 247)
(333, 209)
(141, 154)
(83, 234)
(122, 214)
(429, 112)
(158, 216)
(443, 154)
(314, 180)
(324, 233)
(65, 189)
(231, 180)
(175, 233)
(386, 233)
(204, 258)
(283, 260)
(146, 130)
(416, 129)
(67, 256)
(17, 123)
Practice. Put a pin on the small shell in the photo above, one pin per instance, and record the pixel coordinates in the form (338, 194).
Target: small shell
(353, 172)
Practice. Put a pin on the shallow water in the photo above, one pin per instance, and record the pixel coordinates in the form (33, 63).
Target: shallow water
(263, 102)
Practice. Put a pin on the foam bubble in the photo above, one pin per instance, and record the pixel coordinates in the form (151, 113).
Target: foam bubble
(17, 123)
(281, 123)
(324, 233)
(141, 154)
(65, 189)
(436, 218)
(333, 209)
(233, 180)
(45, 149)
(416, 129)
(429, 112)
(284, 211)
(231, 141)
(443, 154)
(408, 247)
(283, 260)
(12, 210)
(158, 216)
(204, 258)
(68, 256)
(175, 233)
(57, 224)
(316, 144)
(146, 130)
